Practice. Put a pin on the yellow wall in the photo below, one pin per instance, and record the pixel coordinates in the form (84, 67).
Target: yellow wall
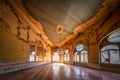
(12, 49)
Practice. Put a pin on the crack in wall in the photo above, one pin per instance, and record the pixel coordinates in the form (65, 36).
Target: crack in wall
(28, 33)
(18, 31)
(7, 27)
(19, 21)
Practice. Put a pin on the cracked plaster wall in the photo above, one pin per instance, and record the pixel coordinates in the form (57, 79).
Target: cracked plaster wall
(16, 34)
(92, 35)
(12, 49)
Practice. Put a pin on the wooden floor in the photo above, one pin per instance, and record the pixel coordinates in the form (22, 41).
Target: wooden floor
(57, 71)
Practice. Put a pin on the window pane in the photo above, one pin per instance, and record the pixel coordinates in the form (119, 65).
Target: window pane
(64, 57)
(114, 57)
(114, 37)
(67, 57)
(84, 56)
(66, 51)
(104, 57)
(109, 47)
(74, 57)
(77, 58)
(55, 57)
(31, 58)
(80, 47)
(37, 59)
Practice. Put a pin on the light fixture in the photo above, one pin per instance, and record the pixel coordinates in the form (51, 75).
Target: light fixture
(59, 31)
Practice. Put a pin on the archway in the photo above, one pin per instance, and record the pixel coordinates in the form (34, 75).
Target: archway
(110, 48)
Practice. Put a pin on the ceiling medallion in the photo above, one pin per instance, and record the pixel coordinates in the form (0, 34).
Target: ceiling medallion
(59, 29)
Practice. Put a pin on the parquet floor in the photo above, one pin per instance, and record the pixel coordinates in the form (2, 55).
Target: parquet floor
(58, 71)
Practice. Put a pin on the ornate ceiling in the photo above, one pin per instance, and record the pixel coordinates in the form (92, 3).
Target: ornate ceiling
(69, 13)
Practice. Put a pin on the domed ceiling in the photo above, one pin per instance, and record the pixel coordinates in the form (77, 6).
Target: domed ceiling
(69, 13)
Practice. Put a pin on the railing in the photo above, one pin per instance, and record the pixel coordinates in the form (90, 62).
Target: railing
(10, 67)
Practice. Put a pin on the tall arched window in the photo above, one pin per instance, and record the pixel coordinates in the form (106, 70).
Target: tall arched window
(55, 57)
(80, 55)
(84, 56)
(76, 57)
(110, 54)
(66, 56)
(33, 57)
(78, 49)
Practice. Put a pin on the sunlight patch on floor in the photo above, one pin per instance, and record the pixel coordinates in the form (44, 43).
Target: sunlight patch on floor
(61, 64)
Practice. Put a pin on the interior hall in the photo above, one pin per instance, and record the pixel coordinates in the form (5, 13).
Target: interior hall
(59, 39)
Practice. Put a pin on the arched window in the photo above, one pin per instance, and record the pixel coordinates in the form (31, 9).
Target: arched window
(80, 47)
(84, 56)
(77, 56)
(55, 57)
(110, 54)
(33, 57)
(66, 56)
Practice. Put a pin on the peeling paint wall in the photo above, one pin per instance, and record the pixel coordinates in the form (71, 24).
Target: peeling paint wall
(17, 33)
(48, 54)
(92, 36)
(12, 49)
